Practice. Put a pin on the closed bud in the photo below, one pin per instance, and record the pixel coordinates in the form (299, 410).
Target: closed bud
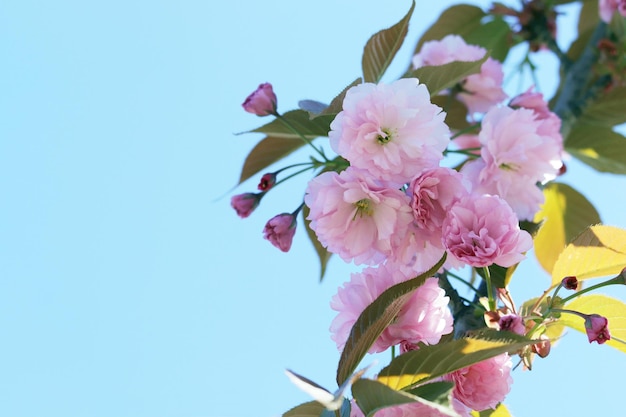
(280, 230)
(570, 282)
(245, 203)
(267, 181)
(597, 328)
(262, 101)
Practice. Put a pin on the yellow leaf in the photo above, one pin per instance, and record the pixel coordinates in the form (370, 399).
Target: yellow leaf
(598, 251)
(564, 215)
(614, 310)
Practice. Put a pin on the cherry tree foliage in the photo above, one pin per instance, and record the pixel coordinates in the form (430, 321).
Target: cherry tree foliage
(438, 183)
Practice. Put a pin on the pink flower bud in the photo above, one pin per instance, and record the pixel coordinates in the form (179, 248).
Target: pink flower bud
(570, 282)
(512, 323)
(267, 181)
(597, 328)
(280, 230)
(245, 203)
(262, 102)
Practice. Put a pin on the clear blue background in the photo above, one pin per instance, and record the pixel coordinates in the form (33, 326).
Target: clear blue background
(128, 286)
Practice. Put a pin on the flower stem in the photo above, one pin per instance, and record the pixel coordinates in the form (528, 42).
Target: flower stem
(492, 300)
(617, 280)
(304, 138)
(294, 174)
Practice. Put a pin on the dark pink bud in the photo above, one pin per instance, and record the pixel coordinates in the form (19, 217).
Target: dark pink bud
(267, 181)
(571, 283)
(262, 102)
(512, 323)
(597, 328)
(245, 203)
(280, 230)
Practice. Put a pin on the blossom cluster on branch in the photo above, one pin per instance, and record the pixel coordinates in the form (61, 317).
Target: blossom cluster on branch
(439, 175)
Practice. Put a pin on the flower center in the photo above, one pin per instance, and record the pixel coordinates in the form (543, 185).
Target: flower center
(508, 167)
(383, 137)
(363, 207)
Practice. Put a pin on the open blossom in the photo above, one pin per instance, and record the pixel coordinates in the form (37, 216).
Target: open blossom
(433, 193)
(480, 91)
(606, 8)
(424, 318)
(483, 230)
(483, 385)
(356, 217)
(416, 250)
(597, 328)
(520, 147)
(244, 204)
(521, 193)
(393, 131)
(280, 230)
(262, 101)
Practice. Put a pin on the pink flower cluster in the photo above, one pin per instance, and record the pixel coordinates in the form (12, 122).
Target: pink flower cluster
(479, 91)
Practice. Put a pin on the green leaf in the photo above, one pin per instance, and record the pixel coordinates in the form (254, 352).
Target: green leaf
(372, 396)
(460, 20)
(344, 411)
(597, 252)
(588, 17)
(500, 411)
(565, 214)
(608, 109)
(310, 409)
(301, 122)
(430, 362)
(494, 36)
(268, 151)
(314, 108)
(500, 276)
(375, 318)
(337, 104)
(321, 251)
(382, 47)
(614, 310)
(440, 77)
(599, 147)
(456, 112)
(437, 392)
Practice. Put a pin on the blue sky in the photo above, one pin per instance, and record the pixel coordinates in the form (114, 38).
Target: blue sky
(128, 286)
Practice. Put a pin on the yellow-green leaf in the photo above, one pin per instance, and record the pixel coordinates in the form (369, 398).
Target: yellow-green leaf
(598, 146)
(382, 47)
(375, 319)
(430, 362)
(440, 77)
(565, 214)
(598, 251)
(269, 150)
(460, 20)
(323, 254)
(372, 396)
(500, 411)
(614, 310)
(608, 109)
(310, 409)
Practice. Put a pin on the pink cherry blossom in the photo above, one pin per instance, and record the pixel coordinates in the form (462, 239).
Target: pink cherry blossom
(424, 318)
(521, 193)
(280, 230)
(483, 90)
(480, 91)
(392, 131)
(468, 142)
(597, 328)
(355, 216)
(606, 8)
(518, 142)
(483, 230)
(262, 101)
(483, 385)
(416, 250)
(244, 204)
(449, 49)
(433, 193)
